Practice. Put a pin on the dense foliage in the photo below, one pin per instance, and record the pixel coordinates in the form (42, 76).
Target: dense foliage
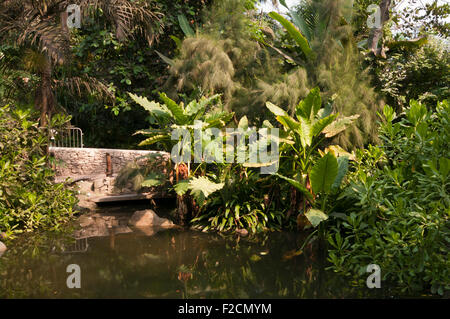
(378, 191)
(422, 74)
(29, 199)
(401, 189)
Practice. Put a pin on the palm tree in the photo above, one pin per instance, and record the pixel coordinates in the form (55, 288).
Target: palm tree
(35, 25)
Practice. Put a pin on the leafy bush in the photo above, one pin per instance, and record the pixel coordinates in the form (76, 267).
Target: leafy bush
(29, 199)
(402, 193)
(245, 201)
(420, 73)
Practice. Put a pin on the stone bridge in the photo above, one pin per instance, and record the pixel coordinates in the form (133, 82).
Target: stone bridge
(95, 170)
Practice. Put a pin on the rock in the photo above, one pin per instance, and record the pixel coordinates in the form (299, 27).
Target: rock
(144, 218)
(85, 221)
(2, 248)
(85, 206)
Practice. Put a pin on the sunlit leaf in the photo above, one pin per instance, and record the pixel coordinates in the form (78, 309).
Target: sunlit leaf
(315, 216)
(339, 125)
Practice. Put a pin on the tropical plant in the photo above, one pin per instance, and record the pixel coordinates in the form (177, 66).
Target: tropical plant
(319, 39)
(34, 25)
(419, 73)
(312, 179)
(170, 119)
(29, 199)
(171, 115)
(224, 56)
(244, 201)
(401, 191)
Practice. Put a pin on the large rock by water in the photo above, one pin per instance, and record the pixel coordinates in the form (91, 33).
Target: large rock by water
(146, 218)
(2, 248)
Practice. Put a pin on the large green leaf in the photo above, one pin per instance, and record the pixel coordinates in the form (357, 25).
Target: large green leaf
(310, 106)
(288, 122)
(342, 170)
(316, 216)
(181, 187)
(193, 108)
(324, 173)
(218, 118)
(277, 111)
(321, 124)
(201, 187)
(176, 110)
(339, 125)
(185, 26)
(154, 139)
(151, 106)
(296, 35)
(153, 179)
(198, 108)
(305, 132)
(297, 185)
(301, 24)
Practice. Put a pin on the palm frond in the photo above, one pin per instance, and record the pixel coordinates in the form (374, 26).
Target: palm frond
(79, 85)
(35, 23)
(129, 17)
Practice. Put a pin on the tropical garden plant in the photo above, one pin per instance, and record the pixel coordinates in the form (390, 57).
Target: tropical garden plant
(401, 191)
(317, 38)
(313, 173)
(34, 26)
(29, 199)
(170, 117)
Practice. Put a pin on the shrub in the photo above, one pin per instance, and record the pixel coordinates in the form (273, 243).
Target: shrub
(402, 193)
(29, 199)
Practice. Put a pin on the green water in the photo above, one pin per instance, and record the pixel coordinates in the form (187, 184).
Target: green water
(119, 262)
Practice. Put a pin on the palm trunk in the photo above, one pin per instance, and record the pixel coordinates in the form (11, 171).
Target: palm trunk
(44, 100)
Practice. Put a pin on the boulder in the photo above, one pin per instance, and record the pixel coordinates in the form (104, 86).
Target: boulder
(145, 218)
(2, 248)
(85, 221)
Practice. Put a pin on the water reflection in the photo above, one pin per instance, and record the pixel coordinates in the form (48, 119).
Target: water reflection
(118, 261)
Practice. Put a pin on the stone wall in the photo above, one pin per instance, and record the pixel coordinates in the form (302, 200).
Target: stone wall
(75, 162)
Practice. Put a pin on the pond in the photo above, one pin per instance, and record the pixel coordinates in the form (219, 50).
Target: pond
(117, 261)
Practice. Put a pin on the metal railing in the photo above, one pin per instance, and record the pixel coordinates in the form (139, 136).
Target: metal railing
(70, 137)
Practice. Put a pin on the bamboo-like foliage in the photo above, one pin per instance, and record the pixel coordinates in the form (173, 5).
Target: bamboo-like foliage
(335, 65)
(224, 57)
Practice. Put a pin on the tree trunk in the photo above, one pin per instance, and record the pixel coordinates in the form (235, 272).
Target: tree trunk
(377, 33)
(44, 100)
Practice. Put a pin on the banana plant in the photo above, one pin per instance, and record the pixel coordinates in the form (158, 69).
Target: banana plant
(311, 175)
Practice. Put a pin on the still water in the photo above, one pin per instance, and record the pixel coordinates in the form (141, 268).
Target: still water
(117, 261)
